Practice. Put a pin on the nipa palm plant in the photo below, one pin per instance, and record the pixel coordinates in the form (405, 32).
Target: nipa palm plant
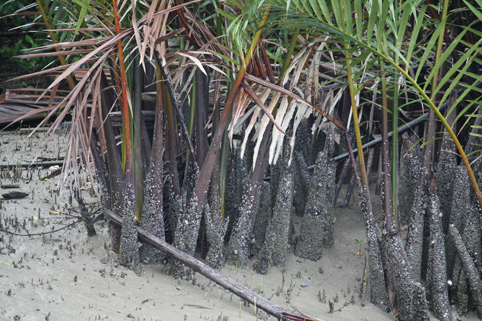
(272, 66)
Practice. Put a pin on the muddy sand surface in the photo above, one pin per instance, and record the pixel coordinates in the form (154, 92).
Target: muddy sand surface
(69, 276)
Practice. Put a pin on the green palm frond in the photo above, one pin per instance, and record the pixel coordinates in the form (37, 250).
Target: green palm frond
(335, 20)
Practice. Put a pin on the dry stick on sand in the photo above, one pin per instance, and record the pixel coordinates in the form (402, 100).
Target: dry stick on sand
(198, 266)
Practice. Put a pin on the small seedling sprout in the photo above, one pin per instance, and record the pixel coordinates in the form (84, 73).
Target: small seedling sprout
(360, 241)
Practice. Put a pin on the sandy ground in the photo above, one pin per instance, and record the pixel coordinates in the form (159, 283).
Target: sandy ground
(69, 276)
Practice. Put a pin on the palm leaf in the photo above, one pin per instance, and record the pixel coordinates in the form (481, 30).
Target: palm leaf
(346, 35)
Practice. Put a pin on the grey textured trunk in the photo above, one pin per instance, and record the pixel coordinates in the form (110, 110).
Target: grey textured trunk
(419, 303)
(461, 290)
(238, 247)
(101, 171)
(470, 269)
(439, 299)
(239, 243)
(276, 245)
(464, 218)
(215, 233)
(301, 183)
(301, 176)
(460, 207)
(328, 232)
(214, 224)
(472, 231)
(129, 248)
(446, 175)
(191, 226)
(411, 300)
(410, 163)
(414, 244)
(317, 225)
(303, 143)
(470, 227)
(330, 150)
(116, 175)
(415, 237)
(152, 219)
(188, 223)
(236, 182)
(242, 211)
(263, 213)
(378, 293)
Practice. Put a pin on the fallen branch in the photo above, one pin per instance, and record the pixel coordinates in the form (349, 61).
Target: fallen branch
(42, 233)
(198, 266)
(34, 164)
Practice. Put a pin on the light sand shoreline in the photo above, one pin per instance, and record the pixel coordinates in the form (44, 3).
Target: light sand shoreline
(69, 276)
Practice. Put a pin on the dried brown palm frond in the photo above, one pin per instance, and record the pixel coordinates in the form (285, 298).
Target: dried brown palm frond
(83, 101)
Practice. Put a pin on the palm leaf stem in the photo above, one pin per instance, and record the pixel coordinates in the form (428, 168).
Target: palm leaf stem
(439, 48)
(289, 54)
(116, 174)
(375, 262)
(171, 141)
(387, 196)
(201, 106)
(207, 169)
(255, 97)
(174, 104)
(223, 174)
(356, 123)
(362, 180)
(138, 166)
(191, 115)
(127, 144)
(50, 27)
